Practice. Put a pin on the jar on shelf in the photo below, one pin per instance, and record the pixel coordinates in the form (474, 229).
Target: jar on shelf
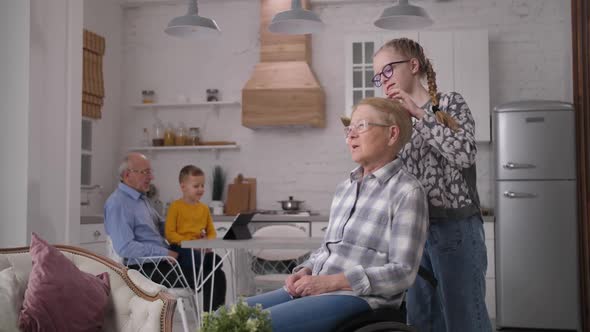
(181, 135)
(158, 134)
(145, 138)
(194, 137)
(169, 136)
(148, 96)
(212, 94)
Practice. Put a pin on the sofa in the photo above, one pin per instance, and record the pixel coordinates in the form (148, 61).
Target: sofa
(135, 302)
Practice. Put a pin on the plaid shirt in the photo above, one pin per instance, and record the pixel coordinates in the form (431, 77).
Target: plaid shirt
(376, 234)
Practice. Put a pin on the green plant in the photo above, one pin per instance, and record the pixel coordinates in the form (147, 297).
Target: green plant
(218, 183)
(239, 318)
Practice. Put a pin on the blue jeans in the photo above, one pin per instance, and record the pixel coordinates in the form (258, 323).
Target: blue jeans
(311, 313)
(455, 252)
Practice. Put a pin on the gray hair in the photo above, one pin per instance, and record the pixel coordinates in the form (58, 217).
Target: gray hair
(123, 167)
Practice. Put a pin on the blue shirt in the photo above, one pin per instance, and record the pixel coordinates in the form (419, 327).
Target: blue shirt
(131, 223)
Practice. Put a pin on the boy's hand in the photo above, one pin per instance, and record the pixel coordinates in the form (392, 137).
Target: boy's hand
(203, 234)
(172, 254)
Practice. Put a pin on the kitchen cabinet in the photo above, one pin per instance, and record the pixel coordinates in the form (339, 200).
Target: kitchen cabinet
(318, 228)
(93, 238)
(460, 60)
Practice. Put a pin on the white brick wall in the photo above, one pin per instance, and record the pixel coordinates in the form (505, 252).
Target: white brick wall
(530, 57)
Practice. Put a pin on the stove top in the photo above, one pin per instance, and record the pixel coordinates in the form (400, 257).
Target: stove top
(283, 212)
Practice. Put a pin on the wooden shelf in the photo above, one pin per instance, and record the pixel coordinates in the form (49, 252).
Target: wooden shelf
(184, 147)
(185, 105)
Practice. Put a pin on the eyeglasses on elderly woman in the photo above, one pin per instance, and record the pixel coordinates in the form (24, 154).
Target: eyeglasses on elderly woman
(361, 126)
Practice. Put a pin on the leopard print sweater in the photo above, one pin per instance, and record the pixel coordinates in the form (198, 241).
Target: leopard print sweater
(444, 160)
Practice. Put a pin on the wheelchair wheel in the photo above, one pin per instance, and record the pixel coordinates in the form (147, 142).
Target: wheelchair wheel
(386, 327)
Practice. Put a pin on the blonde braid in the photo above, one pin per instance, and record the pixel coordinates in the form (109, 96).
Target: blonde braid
(442, 117)
(412, 49)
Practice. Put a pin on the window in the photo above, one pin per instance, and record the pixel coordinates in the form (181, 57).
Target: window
(362, 71)
(359, 70)
(86, 163)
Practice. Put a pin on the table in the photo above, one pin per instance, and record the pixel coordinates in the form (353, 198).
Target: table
(231, 246)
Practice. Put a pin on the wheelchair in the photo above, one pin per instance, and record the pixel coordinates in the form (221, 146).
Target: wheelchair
(386, 319)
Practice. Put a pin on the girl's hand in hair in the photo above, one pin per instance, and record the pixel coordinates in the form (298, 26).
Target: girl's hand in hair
(406, 101)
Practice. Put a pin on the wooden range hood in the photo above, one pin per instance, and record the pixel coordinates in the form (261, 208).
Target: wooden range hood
(283, 90)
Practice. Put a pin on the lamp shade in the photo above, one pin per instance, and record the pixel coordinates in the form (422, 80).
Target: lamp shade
(403, 16)
(191, 23)
(296, 21)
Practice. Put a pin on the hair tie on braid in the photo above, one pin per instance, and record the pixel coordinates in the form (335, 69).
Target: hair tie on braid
(435, 109)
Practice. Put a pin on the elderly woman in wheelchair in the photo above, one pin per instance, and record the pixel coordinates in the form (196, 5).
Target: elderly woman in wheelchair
(374, 241)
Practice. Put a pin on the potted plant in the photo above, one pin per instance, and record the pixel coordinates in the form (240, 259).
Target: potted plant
(238, 318)
(217, 194)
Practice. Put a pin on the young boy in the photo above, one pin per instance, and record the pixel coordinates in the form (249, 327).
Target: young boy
(189, 219)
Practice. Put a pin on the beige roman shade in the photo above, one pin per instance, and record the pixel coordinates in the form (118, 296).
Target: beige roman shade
(92, 77)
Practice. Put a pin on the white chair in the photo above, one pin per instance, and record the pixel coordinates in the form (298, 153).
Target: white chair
(272, 266)
(174, 280)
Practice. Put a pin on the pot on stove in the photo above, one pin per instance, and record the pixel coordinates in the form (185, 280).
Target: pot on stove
(291, 204)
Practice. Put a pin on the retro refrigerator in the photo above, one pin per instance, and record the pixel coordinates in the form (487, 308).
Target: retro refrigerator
(535, 228)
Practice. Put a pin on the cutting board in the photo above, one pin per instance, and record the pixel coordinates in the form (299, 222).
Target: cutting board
(252, 196)
(238, 197)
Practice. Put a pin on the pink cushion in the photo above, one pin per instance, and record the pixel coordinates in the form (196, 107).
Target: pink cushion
(60, 297)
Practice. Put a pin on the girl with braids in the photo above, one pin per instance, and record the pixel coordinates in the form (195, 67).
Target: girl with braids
(441, 154)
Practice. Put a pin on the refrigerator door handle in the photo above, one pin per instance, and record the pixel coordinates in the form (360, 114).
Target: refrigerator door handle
(512, 194)
(511, 165)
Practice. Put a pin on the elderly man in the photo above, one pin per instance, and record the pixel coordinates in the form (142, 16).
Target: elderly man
(132, 224)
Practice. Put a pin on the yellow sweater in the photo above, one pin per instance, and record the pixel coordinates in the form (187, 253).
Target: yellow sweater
(185, 221)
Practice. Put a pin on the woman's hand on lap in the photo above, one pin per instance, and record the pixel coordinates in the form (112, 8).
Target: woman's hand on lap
(290, 281)
(314, 285)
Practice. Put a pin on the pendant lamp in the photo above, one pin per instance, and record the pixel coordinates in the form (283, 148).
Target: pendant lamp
(296, 21)
(191, 23)
(403, 16)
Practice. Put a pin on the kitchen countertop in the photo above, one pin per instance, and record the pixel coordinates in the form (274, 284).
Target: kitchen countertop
(295, 218)
(276, 217)
(85, 220)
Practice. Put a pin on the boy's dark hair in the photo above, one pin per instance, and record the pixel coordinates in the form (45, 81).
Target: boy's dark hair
(189, 170)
